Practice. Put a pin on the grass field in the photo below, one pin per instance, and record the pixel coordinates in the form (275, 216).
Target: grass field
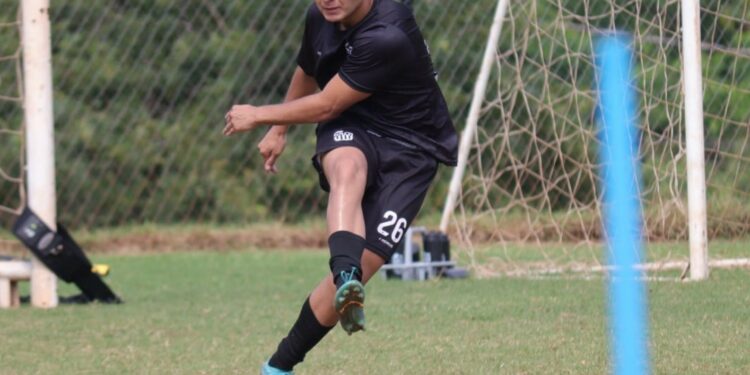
(224, 312)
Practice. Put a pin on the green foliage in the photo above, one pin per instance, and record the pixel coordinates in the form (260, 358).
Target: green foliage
(141, 88)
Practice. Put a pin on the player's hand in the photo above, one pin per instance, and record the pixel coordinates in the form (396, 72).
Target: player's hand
(240, 118)
(271, 147)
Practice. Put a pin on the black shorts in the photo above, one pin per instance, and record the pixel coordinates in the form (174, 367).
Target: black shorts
(398, 176)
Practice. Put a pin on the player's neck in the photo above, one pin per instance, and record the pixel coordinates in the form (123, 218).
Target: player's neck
(358, 15)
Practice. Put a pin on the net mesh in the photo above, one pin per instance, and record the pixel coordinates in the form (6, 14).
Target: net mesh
(533, 169)
(141, 88)
(11, 115)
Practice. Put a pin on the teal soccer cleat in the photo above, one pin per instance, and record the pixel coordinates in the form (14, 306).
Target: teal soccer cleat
(267, 369)
(350, 302)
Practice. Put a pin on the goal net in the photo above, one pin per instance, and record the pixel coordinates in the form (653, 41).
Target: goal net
(140, 90)
(533, 169)
(11, 118)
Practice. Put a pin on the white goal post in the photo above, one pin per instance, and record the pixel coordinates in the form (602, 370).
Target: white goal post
(40, 145)
(480, 90)
(695, 144)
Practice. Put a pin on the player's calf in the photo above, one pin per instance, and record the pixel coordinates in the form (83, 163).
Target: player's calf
(346, 255)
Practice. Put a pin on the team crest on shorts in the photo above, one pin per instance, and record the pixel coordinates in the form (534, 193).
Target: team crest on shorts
(342, 136)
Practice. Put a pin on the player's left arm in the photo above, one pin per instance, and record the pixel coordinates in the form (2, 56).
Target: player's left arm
(325, 105)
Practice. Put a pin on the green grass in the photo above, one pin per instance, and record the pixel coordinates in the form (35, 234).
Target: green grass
(514, 255)
(223, 313)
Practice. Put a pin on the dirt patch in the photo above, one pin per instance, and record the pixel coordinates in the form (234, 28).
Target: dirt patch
(156, 239)
(207, 240)
(189, 240)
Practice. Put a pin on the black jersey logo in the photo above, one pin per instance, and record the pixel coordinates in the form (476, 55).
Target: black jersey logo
(349, 49)
(342, 136)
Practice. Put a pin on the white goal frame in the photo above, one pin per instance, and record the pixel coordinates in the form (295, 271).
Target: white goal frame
(693, 90)
(39, 129)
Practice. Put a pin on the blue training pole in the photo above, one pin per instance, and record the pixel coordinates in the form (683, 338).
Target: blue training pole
(619, 156)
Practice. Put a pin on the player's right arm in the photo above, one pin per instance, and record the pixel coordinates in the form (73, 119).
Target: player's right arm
(273, 143)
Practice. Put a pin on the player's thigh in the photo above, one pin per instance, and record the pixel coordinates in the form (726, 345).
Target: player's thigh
(333, 141)
(345, 165)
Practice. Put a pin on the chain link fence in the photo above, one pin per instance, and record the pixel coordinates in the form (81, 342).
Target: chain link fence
(141, 88)
(140, 92)
(11, 114)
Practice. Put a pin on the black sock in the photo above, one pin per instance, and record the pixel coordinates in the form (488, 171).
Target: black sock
(304, 335)
(346, 253)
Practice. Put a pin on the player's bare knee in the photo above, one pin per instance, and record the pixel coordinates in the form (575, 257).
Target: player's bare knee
(346, 171)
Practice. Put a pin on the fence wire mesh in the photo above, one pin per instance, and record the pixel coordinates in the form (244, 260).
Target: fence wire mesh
(140, 92)
(141, 88)
(534, 169)
(11, 114)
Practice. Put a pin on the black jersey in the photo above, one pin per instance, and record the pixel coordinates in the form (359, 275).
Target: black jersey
(385, 55)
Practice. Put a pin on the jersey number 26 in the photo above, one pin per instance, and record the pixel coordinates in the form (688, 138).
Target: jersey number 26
(392, 220)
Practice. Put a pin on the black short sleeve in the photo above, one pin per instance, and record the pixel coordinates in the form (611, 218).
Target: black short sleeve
(385, 55)
(305, 56)
(375, 58)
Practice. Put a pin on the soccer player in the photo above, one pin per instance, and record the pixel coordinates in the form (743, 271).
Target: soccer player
(366, 77)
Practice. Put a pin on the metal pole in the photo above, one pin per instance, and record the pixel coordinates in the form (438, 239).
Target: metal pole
(695, 146)
(480, 90)
(409, 273)
(40, 147)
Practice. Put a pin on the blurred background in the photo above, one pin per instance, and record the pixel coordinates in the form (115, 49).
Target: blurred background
(141, 88)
